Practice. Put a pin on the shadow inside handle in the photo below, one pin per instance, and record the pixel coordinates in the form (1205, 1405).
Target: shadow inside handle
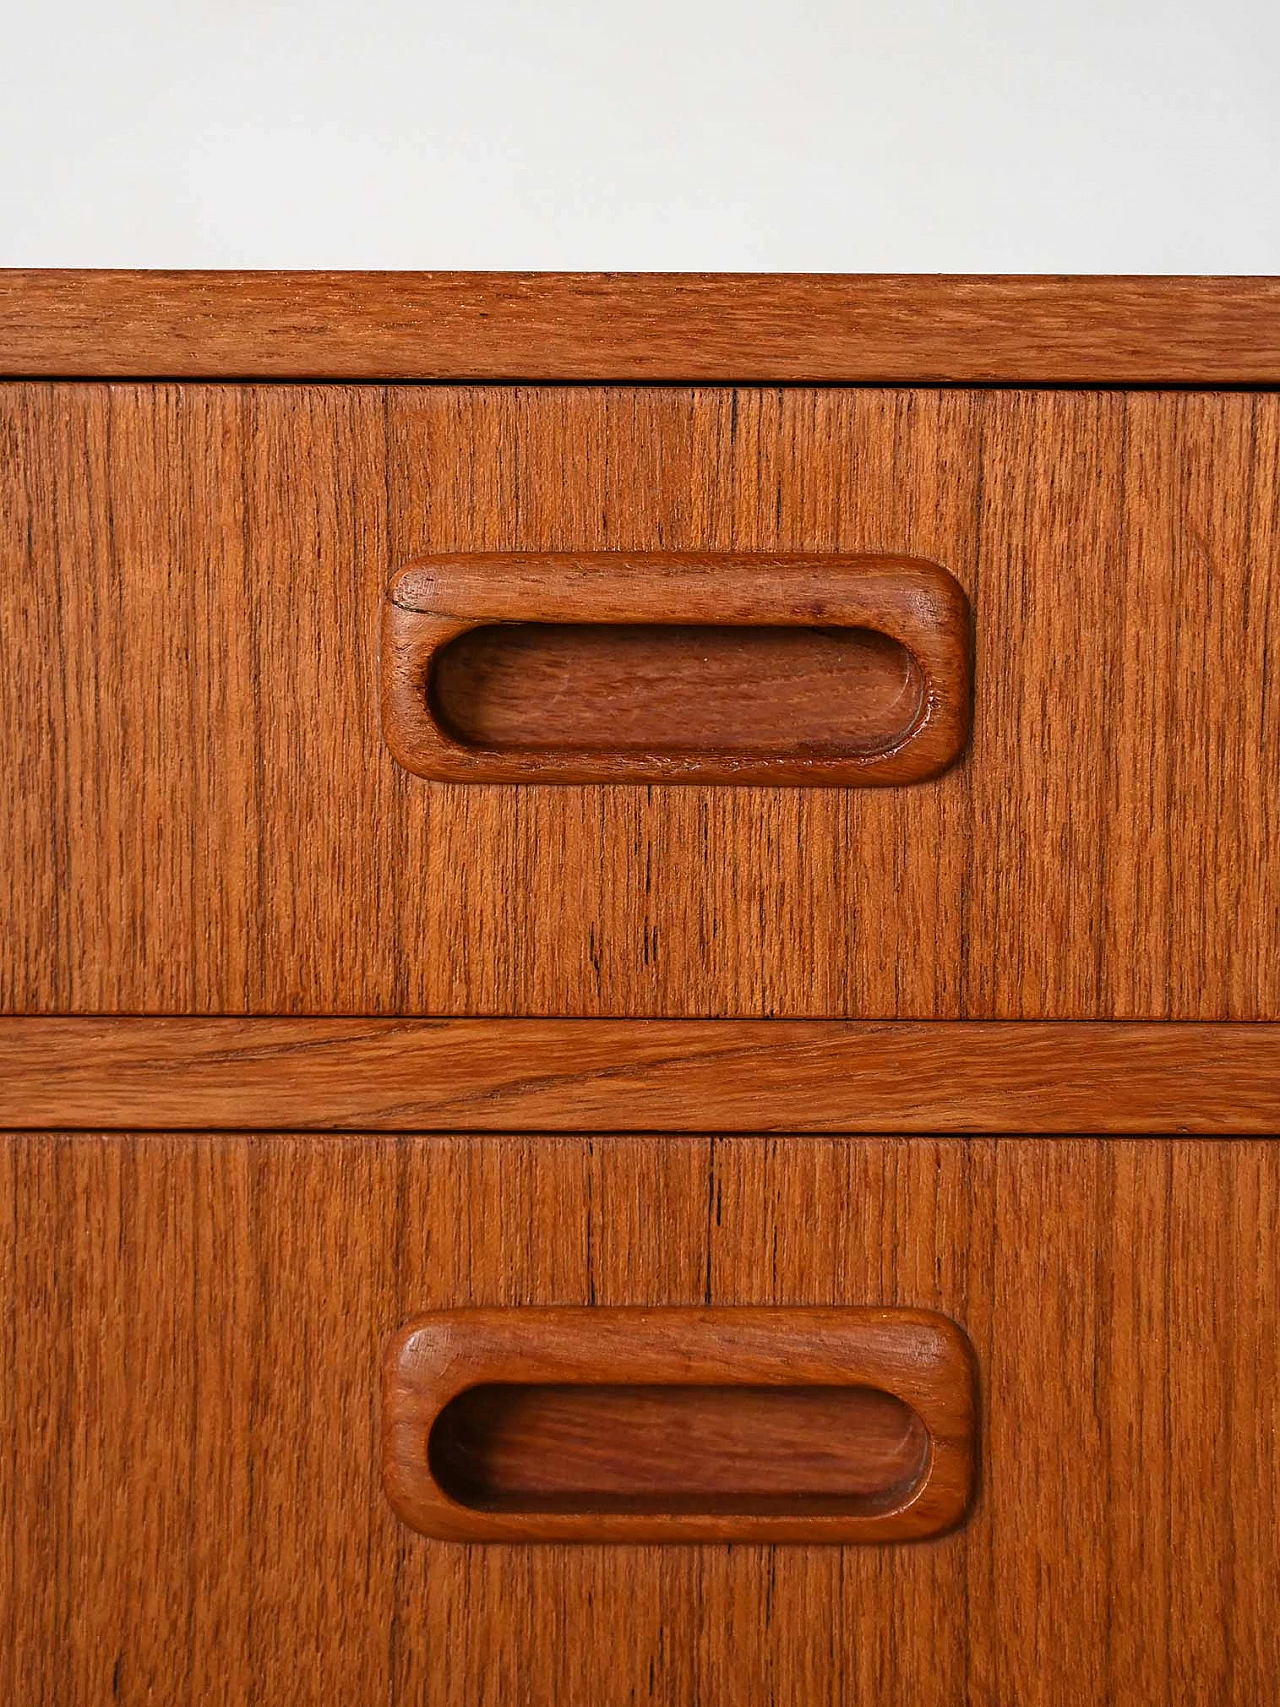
(666, 688)
(683, 1450)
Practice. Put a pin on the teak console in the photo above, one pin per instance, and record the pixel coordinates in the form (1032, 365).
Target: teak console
(640, 995)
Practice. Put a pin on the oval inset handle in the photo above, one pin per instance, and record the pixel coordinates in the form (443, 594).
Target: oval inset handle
(682, 1425)
(677, 668)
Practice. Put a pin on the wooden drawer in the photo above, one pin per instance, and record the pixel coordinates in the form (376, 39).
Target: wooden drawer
(193, 1332)
(203, 816)
(296, 1046)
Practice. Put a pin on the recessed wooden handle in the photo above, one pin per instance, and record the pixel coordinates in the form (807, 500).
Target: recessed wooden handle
(680, 1425)
(624, 667)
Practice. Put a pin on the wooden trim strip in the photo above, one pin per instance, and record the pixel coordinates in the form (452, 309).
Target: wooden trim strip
(703, 327)
(604, 1075)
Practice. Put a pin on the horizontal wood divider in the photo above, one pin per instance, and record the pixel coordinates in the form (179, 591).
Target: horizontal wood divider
(607, 1075)
(735, 328)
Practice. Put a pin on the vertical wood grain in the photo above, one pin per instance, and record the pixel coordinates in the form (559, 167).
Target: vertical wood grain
(190, 1496)
(203, 816)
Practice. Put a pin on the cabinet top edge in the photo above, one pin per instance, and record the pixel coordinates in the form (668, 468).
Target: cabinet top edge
(636, 328)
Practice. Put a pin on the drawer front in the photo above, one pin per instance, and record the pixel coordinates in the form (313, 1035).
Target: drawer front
(202, 814)
(194, 1327)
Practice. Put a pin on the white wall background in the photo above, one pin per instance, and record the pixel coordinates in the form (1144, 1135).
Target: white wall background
(806, 135)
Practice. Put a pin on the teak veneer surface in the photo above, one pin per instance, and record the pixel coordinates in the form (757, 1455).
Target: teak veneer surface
(638, 1075)
(189, 1499)
(201, 815)
(657, 326)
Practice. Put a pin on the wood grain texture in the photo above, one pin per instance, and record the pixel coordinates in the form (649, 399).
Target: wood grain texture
(767, 1484)
(608, 687)
(611, 326)
(201, 814)
(561, 1446)
(436, 603)
(638, 1075)
(190, 1508)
